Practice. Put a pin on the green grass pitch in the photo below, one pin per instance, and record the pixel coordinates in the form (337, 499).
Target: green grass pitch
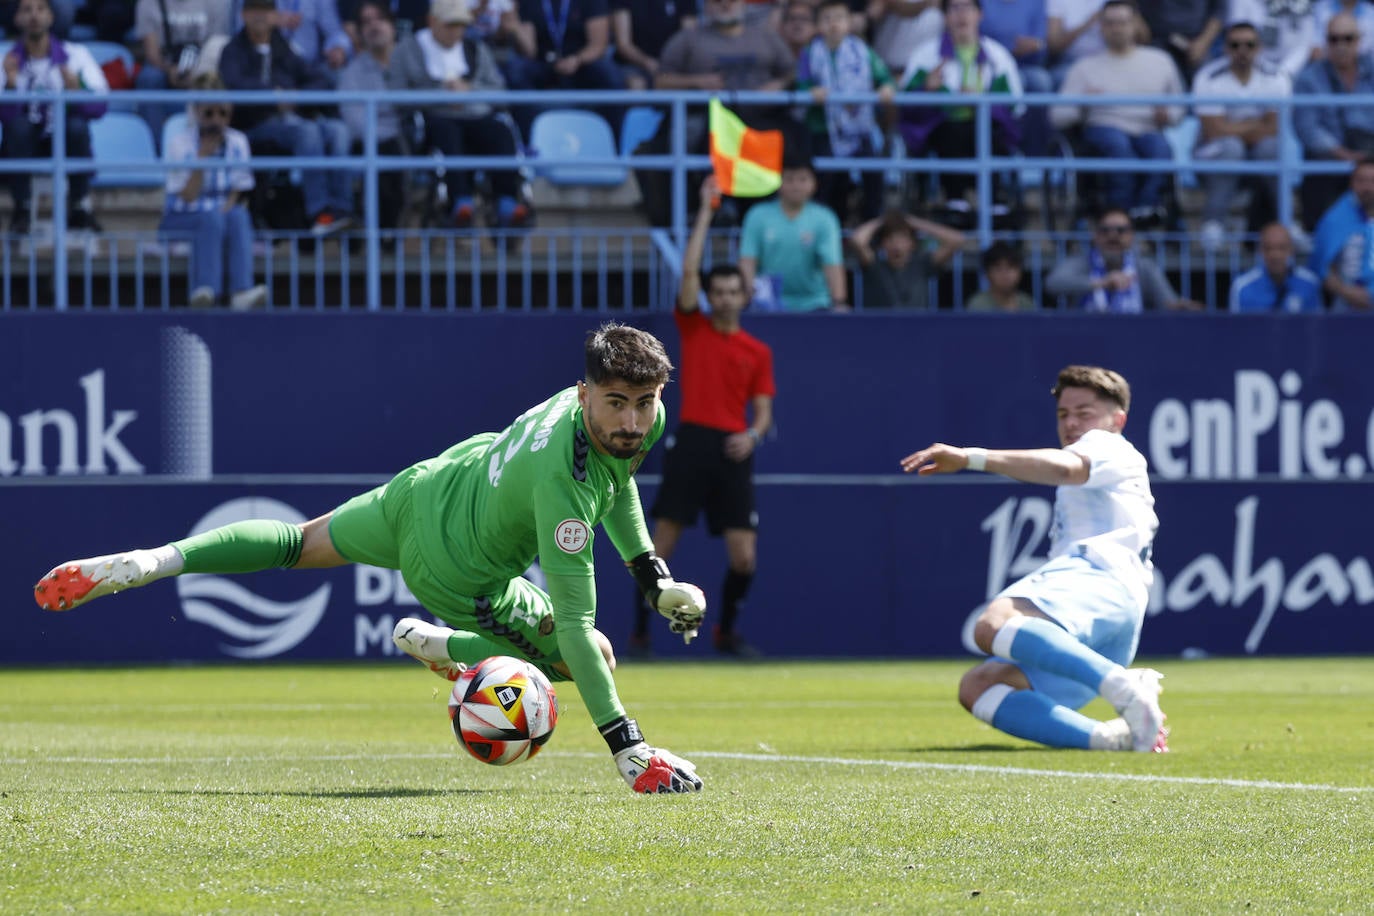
(831, 787)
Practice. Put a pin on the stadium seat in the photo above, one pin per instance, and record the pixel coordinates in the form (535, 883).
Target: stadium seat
(121, 136)
(1290, 149)
(641, 123)
(174, 125)
(570, 135)
(1182, 138)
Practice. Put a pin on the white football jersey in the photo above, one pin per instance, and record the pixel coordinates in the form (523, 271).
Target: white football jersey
(1111, 518)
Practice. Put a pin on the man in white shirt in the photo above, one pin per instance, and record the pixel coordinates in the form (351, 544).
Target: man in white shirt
(1235, 129)
(1124, 131)
(1062, 635)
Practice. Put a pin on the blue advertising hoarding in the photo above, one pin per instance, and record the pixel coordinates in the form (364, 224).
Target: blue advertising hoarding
(121, 431)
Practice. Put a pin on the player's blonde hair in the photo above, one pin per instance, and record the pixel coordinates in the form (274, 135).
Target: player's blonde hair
(1105, 383)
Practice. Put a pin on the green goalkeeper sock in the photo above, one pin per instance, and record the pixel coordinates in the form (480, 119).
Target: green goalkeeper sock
(243, 547)
(471, 648)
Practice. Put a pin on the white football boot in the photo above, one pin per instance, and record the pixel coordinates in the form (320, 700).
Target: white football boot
(1136, 698)
(75, 582)
(1115, 735)
(427, 643)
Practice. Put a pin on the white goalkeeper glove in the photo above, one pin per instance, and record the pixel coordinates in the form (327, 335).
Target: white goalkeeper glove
(681, 602)
(648, 770)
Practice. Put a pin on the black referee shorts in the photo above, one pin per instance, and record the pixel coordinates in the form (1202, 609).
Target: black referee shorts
(698, 476)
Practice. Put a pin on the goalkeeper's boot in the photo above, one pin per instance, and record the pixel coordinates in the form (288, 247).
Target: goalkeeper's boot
(1140, 708)
(77, 581)
(427, 643)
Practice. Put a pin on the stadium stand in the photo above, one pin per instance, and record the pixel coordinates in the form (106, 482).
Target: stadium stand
(591, 242)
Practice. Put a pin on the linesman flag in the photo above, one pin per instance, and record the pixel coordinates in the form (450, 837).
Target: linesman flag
(747, 162)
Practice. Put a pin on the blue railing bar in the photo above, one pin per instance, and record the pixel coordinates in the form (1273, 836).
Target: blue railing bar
(419, 98)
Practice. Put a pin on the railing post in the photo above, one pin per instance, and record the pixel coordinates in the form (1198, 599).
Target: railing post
(1284, 195)
(679, 138)
(59, 201)
(982, 126)
(371, 217)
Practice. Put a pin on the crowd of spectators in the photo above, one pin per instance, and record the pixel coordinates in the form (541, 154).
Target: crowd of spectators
(1230, 54)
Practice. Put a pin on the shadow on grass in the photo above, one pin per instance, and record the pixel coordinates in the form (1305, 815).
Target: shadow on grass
(319, 793)
(974, 749)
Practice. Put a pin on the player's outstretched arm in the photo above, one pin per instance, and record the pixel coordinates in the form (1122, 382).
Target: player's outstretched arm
(681, 602)
(648, 770)
(1050, 466)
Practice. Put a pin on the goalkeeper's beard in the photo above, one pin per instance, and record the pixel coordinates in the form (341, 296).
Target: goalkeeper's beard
(621, 444)
(624, 453)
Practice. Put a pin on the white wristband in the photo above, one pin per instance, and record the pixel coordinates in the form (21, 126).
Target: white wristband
(977, 458)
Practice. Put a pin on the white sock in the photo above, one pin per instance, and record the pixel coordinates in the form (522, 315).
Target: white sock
(1112, 735)
(985, 707)
(1117, 688)
(160, 562)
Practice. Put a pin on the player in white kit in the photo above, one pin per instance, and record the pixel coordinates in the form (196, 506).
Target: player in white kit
(1064, 634)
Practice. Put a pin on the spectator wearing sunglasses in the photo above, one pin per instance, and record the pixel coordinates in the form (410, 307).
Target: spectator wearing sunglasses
(1236, 129)
(1111, 277)
(1334, 133)
(205, 202)
(1362, 10)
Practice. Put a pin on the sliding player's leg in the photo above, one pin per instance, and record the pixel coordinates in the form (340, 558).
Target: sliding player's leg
(1000, 694)
(1078, 625)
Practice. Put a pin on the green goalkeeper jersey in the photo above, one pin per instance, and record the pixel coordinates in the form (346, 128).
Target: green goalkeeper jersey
(488, 506)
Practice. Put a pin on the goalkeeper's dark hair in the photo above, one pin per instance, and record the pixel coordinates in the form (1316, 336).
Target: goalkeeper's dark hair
(1106, 384)
(618, 351)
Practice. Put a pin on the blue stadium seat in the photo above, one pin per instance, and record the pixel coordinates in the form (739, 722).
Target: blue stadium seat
(121, 136)
(570, 135)
(174, 125)
(1182, 138)
(640, 124)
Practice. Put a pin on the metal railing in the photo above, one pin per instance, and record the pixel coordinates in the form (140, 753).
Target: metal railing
(465, 265)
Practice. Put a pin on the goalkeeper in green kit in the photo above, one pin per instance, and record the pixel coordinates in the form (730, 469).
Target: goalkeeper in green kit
(462, 528)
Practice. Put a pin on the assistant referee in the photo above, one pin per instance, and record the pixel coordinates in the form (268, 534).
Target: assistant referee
(726, 381)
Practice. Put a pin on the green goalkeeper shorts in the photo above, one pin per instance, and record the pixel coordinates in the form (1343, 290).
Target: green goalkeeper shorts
(376, 528)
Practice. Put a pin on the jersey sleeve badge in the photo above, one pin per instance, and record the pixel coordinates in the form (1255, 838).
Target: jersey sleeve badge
(571, 535)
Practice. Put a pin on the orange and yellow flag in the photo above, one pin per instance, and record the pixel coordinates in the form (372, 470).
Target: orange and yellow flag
(747, 162)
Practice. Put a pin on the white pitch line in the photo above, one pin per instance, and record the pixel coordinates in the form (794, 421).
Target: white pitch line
(724, 755)
(1028, 771)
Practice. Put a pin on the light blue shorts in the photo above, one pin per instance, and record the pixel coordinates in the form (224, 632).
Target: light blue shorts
(1095, 607)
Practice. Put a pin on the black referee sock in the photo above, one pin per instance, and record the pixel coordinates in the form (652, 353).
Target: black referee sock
(642, 609)
(732, 595)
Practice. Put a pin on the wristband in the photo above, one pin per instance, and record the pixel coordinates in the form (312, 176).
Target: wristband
(647, 569)
(977, 458)
(622, 733)
(753, 434)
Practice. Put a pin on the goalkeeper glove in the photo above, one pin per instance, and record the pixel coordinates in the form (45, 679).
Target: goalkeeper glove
(648, 770)
(681, 602)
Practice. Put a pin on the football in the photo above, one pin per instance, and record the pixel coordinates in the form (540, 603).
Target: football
(503, 710)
